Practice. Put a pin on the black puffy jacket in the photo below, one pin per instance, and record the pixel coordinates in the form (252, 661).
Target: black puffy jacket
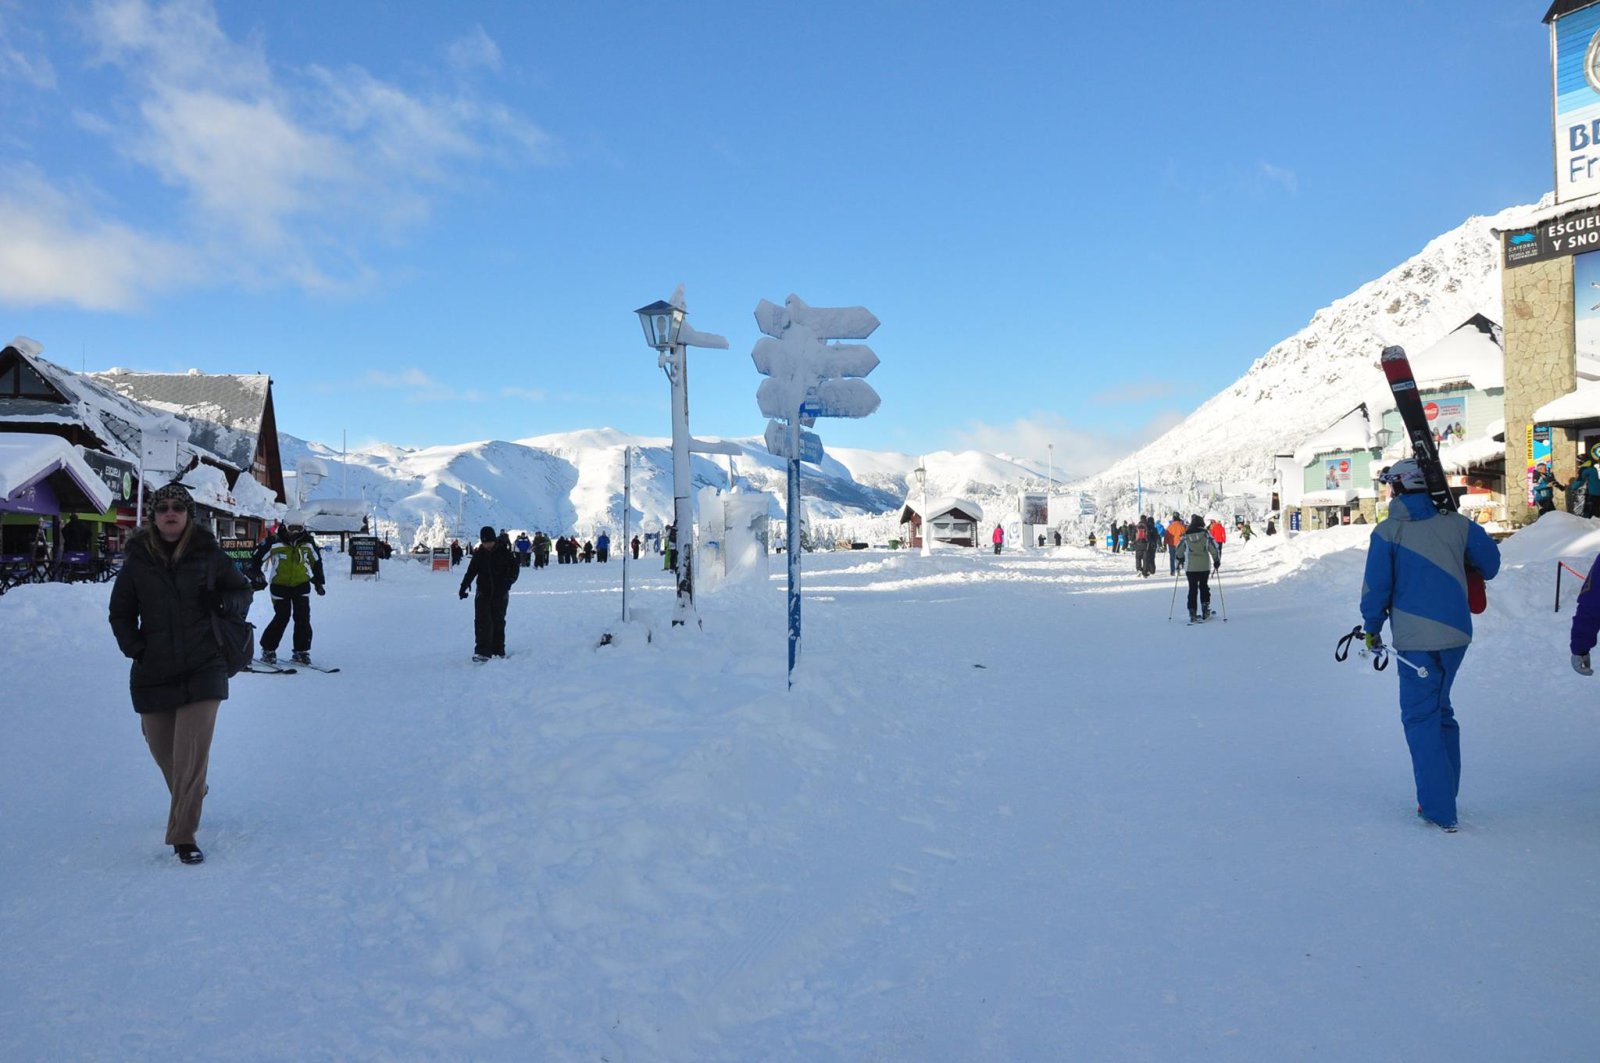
(161, 616)
(494, 567)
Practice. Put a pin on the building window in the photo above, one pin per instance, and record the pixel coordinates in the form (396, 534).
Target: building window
(19, 381)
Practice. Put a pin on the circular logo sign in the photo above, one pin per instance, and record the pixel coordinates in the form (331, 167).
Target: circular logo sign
(1591, 62)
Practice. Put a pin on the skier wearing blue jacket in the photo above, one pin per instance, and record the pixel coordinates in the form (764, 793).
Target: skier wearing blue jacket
(1586, 623)
(1416, 578)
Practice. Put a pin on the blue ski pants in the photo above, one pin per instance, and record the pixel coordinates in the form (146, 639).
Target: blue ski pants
(1432, 734)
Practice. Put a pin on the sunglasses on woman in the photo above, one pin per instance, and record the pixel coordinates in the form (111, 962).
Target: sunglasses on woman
(170, 507)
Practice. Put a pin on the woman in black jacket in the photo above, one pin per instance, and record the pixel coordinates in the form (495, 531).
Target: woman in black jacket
(161, 615)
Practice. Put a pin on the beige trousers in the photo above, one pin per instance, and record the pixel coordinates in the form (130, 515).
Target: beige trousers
(180, 741)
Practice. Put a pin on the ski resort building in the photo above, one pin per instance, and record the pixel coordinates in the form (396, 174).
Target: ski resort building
(1550, 282)
(110, 433)
(954, 522)
(1331, 478)
(228, 415)
(1335, 469)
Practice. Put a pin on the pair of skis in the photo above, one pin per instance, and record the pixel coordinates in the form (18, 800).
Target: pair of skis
(260, 667)
(1408, 402)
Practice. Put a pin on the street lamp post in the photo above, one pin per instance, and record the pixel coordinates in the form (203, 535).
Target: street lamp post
(663, 324)
(921, 474)
(1049, 485)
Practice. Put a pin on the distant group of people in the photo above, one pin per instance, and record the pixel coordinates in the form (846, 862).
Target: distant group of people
(535, 551)
(1582, 491)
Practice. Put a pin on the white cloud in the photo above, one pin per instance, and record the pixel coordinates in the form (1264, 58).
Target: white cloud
(1078, 452)
(22, 52)
(531, 394)
(56, 249)
(474, 51)
(1282, 176)
(1135, 392)
(417, 385)
(281, 175)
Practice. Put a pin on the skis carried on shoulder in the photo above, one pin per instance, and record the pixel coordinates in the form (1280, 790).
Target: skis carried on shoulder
(1408, 403)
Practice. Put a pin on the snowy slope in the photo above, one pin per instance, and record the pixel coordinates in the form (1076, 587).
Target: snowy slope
(1309, 380)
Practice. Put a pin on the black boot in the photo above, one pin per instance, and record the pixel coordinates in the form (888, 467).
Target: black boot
(189, 854)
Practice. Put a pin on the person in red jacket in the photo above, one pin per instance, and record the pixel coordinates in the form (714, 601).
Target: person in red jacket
(1219, 535)
(999, 538)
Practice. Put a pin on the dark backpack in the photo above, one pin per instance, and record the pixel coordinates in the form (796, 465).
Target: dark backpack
(235, 635)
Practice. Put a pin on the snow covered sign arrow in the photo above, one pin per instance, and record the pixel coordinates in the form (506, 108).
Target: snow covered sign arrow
(840, 398)
(799, 362)
(778, 435)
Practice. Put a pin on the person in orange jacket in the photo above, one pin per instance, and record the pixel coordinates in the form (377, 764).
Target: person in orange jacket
(1175, 531)
(1219, 535)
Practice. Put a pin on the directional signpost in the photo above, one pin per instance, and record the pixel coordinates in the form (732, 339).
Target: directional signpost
(809, 377)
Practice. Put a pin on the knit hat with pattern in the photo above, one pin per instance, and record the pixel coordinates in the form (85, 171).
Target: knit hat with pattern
(176, 492)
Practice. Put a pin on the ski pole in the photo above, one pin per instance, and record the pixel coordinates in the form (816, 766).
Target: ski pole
(1222, 599)
(1380, 656)
(1174, 604)
(1422, 673)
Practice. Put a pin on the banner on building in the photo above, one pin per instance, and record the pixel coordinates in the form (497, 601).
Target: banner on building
(1336, 474)
(1538, 450)
(1570, 234)
(1447, 419)
(1576, 54)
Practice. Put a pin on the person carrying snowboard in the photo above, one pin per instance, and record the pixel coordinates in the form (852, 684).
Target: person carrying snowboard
(291, 561)
(1416, 579)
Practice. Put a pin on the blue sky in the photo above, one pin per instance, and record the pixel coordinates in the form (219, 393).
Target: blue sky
(431, 223)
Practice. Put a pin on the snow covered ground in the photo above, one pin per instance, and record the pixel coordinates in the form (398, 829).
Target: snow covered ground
(1010, 812)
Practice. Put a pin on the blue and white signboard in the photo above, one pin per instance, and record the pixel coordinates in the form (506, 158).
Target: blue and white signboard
(1577, 98)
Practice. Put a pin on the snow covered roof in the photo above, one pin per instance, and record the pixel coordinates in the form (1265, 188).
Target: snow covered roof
(941, 507)
(1353, 431)
(26, 458)
(334, 514)
(1575, 407)
(1330, 498)
(116, 421)
(1458, 457)
(224, 412)
(1472, 354)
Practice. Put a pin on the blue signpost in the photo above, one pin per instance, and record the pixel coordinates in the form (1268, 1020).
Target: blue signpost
(808, 377)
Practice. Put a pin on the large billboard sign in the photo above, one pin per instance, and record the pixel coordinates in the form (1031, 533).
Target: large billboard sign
(1577, 103)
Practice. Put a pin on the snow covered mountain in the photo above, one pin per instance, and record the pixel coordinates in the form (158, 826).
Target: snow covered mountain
(1312, 378)
(573, 482)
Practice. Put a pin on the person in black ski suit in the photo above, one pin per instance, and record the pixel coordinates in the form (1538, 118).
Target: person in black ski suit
(495, 568)
(161, 614)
